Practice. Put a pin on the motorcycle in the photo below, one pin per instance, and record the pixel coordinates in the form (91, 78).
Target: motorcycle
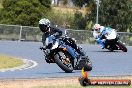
(66, 57)
(112, 41)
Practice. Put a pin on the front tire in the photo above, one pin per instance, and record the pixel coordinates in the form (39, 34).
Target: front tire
(122, 46)
(59, 59)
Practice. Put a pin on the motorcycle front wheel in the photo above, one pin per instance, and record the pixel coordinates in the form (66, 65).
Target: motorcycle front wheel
(122, 46)
(63, 60)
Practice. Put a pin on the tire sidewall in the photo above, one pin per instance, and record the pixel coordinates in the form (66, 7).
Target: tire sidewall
(61, 65)
(122, 46)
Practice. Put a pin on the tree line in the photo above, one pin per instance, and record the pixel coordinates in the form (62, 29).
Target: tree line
(23, 12)
(114, 13)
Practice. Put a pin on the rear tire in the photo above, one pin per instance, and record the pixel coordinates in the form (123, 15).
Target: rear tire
(122, 46)
(58, 61)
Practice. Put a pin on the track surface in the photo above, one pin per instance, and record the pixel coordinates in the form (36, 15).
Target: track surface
(105, 63)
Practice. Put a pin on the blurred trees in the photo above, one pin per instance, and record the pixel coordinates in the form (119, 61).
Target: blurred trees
(24, 12)
(116, 14)
(79, 21)
(113, 13)
(64, 19)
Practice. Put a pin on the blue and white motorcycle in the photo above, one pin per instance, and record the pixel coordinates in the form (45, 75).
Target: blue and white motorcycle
(57, 51)
(111, 40)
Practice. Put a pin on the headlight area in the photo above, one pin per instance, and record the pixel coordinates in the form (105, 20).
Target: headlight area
(55, 45)
(49, 46)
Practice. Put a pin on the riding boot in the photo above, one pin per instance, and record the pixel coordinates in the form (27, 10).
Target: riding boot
(81, 58)
(81, 53)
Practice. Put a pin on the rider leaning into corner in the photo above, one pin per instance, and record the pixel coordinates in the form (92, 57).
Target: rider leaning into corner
(48, 30)
(98, 32)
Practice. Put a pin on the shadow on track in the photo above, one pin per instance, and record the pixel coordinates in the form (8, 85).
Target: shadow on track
(49, 73)
(106, 51)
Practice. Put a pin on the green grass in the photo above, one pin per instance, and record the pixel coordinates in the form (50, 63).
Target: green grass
(69, 10)
(9, 62)
(1, 4)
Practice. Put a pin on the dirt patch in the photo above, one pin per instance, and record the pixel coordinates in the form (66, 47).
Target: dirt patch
(34, 83)
(30, 83)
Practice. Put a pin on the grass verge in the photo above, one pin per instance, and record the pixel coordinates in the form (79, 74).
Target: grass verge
(9, 62)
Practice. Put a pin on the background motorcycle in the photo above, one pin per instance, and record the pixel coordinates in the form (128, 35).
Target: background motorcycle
(66, 57)
(112, 41)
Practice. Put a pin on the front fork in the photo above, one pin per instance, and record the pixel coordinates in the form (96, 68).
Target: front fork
(47, 55)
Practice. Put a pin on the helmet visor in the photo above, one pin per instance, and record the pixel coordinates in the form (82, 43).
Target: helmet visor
(43, 28)
(98, 30)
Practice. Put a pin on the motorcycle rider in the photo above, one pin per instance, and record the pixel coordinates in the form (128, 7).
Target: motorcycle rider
(98, 32)
(48, 30)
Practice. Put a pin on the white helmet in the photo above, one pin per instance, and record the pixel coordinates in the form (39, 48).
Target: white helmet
(97, 26)
(44, 25)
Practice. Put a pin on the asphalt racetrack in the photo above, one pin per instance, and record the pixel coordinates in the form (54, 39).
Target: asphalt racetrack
(105, 63)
